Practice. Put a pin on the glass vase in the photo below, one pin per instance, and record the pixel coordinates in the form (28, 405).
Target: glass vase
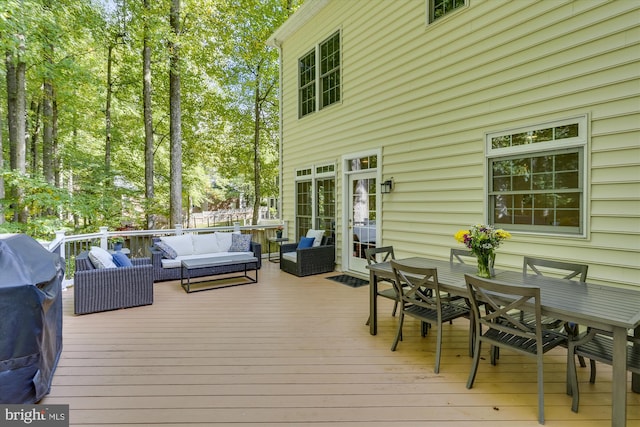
(485, 263)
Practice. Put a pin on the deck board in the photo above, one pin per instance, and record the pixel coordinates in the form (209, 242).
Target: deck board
(296, 352)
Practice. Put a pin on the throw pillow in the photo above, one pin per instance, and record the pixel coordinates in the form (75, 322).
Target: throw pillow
(240, 243)
(317, 236)
(167, 251)
(121, 260)
(101, 258)
(182, 244)
(305, 242)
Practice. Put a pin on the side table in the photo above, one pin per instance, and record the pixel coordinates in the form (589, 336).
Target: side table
(278, 241)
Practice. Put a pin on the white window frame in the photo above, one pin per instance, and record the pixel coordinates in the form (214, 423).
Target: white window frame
(319, 103)
(431, 11)
(556, 146)
(313, 173)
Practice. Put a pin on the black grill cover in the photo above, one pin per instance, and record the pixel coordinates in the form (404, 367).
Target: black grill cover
(30, 318)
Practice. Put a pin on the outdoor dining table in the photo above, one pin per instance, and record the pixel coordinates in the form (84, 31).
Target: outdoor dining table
(604, 307)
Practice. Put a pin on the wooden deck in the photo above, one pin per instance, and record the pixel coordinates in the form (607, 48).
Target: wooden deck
(294, 351)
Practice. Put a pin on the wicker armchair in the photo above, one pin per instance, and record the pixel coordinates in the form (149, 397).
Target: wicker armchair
(111, 288)
(314, 260)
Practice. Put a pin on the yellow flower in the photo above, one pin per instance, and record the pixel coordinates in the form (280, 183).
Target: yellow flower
(502, 234)
(460, 235)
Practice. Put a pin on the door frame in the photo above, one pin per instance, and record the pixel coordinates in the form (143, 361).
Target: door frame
(345, 248)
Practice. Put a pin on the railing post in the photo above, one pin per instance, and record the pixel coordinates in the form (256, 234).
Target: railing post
(104, 239)
(236, 227)
(178, 229)
(63, 247)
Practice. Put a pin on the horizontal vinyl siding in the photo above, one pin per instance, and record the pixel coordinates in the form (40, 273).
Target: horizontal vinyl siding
(427, 95)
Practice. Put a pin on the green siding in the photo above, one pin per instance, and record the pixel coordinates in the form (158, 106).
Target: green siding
(427, 95)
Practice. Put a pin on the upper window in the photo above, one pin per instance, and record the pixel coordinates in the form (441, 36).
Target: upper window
(307, 89)
(536, 178)
(439, 8)
(324, 80)
(330, 70)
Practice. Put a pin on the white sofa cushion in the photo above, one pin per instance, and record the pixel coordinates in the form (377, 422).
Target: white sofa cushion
(177, 262)
(224, 240)
(183, 244)
(317, 235)
(205, 244)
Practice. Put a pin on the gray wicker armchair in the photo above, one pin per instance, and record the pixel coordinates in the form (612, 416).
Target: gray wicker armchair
(308, 261)
(111, 288)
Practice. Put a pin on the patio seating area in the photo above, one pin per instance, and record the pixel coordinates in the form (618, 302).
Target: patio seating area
(296, 351)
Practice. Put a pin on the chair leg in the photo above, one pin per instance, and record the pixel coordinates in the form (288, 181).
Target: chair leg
(472, 334)
(474, 364)
(582, 362)
(438, 347)
(495, 355)
(399, 333)
(592, 377)
(573, 375)
(540, 389)
(395, 308)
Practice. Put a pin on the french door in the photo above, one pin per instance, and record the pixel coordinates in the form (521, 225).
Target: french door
(361, 229)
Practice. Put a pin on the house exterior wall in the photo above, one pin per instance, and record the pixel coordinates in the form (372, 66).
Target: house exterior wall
(426, 96)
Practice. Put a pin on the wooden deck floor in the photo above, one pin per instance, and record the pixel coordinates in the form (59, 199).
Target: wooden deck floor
(296, 352)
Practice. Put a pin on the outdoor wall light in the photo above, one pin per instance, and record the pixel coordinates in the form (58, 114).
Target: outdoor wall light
(386, 186)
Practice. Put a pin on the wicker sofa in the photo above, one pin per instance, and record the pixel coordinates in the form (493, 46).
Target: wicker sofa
(308, 261)
(161, 273)
(102, 289)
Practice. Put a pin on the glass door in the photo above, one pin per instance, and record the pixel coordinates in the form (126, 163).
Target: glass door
(362, 221)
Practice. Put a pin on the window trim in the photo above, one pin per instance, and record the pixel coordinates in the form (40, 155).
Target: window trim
(313, 83)
(577, 144)
(318, 101)
(430, 12)
(312, 174)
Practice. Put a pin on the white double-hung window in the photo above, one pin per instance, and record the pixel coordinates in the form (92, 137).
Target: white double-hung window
(536, 177)
(319, 76)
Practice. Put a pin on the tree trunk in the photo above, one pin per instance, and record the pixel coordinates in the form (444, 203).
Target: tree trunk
(12, 108)
(16, 72)
(57, 165)
(256, 150)
(148, 124)
(47, 132)
(35, 133)
(175, 125)
(107, 113)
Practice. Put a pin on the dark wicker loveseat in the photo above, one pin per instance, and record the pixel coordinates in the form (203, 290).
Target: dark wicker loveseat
(160, 273)
(111, 288)
(314, 260)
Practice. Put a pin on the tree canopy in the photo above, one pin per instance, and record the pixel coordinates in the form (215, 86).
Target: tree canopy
(85, 126)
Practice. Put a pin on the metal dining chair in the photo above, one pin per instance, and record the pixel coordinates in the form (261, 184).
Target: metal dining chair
(565, 270)
(597, 345)
(466, 257)
(377, 255)
(422, 300)
(500, 326)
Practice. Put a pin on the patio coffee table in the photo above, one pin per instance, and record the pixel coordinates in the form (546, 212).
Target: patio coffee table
(190, 267)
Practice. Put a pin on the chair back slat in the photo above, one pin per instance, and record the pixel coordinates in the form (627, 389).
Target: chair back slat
(502, 305)
(420, 287)
(377, 255)
(566, 270)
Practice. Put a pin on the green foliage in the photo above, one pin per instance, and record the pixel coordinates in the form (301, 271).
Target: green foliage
(224, 60)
